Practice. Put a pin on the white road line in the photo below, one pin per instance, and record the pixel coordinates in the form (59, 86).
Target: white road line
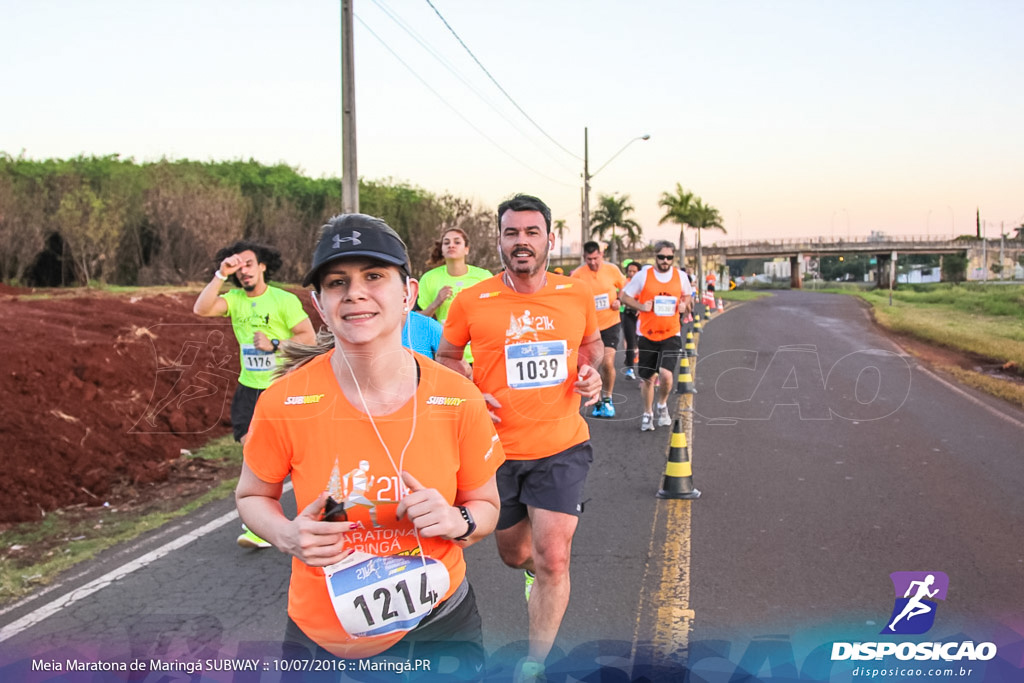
(68, 599)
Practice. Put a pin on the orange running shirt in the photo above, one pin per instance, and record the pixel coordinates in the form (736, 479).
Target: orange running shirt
(304, 426)
(662, 321)
(526, 348)
(606, 284)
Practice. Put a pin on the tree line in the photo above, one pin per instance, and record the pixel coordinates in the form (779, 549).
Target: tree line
(681, 206)
(109, 220)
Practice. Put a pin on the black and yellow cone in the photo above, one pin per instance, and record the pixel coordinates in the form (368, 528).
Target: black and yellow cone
(678, 482)
(707, 313)
(696, 322)
(684, 383)
(690, 348)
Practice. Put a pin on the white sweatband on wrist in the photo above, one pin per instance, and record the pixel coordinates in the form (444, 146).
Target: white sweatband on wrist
(219, 275)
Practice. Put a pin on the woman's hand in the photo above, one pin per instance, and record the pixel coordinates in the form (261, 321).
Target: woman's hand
(314, 541)
(428, 511)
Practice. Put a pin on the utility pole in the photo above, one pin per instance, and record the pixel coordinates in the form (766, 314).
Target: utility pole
(349, 173)
(585, 213)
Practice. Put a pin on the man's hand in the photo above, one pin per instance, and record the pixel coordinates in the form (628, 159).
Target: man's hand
(262, 342)
(588, 384)
(492, 403)
(230, 265)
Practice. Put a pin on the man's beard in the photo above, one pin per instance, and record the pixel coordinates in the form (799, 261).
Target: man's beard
(539, 264)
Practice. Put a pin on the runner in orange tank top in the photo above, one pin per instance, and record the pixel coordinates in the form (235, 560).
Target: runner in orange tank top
(536, 344)
(661, 294)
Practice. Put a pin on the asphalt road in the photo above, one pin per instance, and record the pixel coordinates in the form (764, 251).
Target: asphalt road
(827, 460)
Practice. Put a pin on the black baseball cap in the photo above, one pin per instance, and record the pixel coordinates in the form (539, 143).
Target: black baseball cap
(356, 234)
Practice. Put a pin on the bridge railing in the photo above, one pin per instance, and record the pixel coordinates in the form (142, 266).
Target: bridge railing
(883, 243)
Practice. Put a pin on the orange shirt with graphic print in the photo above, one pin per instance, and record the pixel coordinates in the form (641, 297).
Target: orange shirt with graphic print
(526, 348)
(606, 283)
(304, 426)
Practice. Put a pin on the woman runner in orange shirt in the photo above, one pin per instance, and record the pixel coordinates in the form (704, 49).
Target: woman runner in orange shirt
(392, 457)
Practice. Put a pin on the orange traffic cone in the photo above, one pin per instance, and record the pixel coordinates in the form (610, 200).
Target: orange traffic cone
(678, 482)
(684, 385)
(721, 304)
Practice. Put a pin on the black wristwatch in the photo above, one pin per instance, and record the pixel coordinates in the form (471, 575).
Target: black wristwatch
(276, 343)
(469, 521)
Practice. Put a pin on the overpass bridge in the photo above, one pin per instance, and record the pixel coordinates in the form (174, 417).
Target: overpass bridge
(981, 254)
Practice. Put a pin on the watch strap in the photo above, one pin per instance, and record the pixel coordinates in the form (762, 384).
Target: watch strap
(470, 522)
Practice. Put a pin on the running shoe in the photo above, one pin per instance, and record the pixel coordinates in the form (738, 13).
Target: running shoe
(629, 374)
(530, 578)
(528, 671)
(663, 417)
(647, 423)
(250, 540)
(598, 410)
(607, 407)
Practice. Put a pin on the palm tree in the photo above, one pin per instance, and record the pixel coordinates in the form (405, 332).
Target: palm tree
(678, 208)
(560, 228)
(612, 212)
(703, 217)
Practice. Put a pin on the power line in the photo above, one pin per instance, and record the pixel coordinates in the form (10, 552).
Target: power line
(455, 110)
(498, 85)
(451, 69)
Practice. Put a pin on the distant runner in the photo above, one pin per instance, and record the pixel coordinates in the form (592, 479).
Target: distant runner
(262, 317)
(628, 321)
(606, 281)
(661, 294)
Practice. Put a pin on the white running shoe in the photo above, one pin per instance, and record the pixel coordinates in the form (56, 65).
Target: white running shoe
(647, 423)
(663, 417)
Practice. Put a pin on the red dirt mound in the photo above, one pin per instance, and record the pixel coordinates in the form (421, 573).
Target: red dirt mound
(101, 392)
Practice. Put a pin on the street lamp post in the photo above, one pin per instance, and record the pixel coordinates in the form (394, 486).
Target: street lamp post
(587, 175)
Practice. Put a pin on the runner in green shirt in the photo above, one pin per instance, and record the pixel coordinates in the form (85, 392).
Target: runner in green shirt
(262, 317)
(439, 286)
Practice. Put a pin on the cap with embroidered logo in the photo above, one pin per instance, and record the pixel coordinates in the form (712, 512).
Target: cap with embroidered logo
(356, 234)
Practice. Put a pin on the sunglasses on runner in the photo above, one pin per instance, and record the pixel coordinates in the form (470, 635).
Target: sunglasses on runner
(664, 257)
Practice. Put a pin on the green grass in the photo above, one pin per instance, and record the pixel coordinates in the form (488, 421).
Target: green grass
(33, 553)
(984, 320)
(743, 294)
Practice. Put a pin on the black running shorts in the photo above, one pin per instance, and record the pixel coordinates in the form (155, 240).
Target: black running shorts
(553, 483)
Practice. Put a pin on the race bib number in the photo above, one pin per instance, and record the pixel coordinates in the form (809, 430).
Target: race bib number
(255, 360)
(602, 302)
(536, 364)
(375, 596)
(664, 306)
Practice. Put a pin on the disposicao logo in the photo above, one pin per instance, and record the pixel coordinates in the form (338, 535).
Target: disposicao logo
(916, 594)
(913, 613)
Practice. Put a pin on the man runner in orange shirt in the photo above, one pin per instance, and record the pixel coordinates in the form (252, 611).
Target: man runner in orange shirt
(606, 281)
(661, 294)
(536, 342)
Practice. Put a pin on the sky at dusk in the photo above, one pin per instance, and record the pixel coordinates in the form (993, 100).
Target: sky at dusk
(793, 118)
